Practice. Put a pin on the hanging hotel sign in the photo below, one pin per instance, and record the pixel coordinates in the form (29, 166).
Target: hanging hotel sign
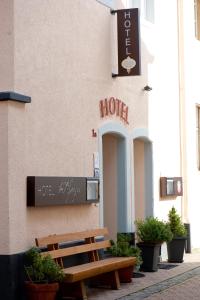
(128, 42)
(113, 106)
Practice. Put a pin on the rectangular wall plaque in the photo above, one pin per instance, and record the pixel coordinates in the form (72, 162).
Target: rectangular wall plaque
(128, 42)
(47, 191)
(171, 186)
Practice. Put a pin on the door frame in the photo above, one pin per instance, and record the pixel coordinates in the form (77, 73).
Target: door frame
(143, 134)
(116, 128)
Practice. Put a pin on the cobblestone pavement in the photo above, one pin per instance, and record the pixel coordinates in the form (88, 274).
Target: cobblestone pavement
(187, 290)
(184, 286)
(179, 283)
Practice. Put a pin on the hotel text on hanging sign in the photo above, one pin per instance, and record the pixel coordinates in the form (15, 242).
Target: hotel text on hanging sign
(128, 34)
(113, 106)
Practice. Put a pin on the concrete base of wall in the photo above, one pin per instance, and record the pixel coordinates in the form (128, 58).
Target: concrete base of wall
(12, 277)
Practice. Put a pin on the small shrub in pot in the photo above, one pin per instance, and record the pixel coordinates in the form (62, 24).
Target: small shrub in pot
(175, 248)
(151, 233)
(122, 248)
(43, 274)
(152, 230)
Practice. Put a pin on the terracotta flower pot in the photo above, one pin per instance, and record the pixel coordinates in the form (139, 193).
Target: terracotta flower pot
(41, 291)
(126, 274)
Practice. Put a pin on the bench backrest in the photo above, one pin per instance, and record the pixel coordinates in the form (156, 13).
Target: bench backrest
(91, 244)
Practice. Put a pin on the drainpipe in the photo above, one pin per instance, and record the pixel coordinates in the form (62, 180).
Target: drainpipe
(182, 119)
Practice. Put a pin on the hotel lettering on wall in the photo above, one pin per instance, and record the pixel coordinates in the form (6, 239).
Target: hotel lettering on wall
(128, 42)
(113, 106)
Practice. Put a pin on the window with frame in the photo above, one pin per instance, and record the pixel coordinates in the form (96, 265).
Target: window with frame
(198, 135)
(146, 8)
(197, 18)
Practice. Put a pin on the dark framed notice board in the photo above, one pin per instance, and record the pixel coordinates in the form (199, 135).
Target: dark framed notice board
(171, 186)
(49, 191)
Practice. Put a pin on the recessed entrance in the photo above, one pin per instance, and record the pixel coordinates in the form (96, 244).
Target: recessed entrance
(114, 183)
(143, 178)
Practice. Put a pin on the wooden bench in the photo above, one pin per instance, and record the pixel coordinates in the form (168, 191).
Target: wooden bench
(99, 270)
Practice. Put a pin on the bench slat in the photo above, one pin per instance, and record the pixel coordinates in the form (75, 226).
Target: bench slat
(77, 249)
(88, 270)
(61, 238)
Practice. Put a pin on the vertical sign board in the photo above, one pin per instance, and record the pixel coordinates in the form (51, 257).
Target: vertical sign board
(128, 42)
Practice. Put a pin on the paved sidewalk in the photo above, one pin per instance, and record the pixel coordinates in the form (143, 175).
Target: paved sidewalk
(180, 283)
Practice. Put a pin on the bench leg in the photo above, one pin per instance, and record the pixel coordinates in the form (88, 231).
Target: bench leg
(115, 285)
(83, 290)
(110, 279)
(75, 289)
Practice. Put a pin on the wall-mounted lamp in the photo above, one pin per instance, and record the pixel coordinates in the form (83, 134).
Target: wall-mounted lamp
(147, 88)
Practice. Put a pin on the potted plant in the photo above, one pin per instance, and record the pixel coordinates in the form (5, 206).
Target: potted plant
(151, 233)
(44, 275)
(122, 248)
(175, 248)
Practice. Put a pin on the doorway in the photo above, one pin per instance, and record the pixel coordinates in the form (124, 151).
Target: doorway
(114, 183)
(143, 178)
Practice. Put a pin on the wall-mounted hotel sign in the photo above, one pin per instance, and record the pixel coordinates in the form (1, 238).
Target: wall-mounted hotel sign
(128, 42)
(113, 106)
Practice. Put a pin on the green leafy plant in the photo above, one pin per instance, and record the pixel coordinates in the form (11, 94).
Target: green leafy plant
(177, 227)
(42, 269)
(122, 247)
(153, 230)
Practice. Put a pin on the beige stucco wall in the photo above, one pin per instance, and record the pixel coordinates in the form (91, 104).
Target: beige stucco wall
(6, 83)
(55, 66)
(57, 51)
(4, 204)
(7, 43)
(62, 59)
